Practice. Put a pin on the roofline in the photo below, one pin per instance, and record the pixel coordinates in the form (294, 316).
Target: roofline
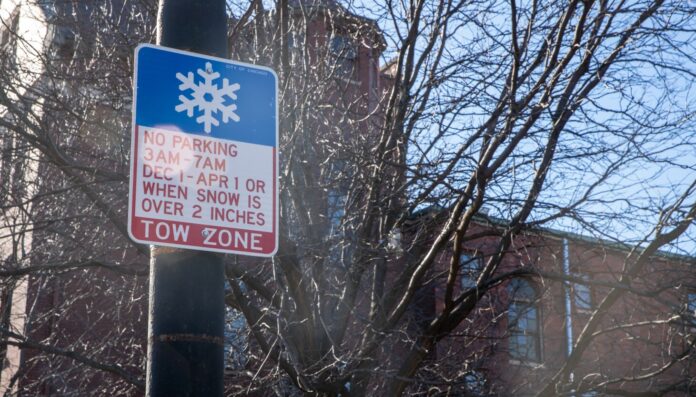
(344, 13)
(561, 234)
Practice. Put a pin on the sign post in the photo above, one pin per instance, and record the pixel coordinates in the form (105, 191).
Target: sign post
(204, 172)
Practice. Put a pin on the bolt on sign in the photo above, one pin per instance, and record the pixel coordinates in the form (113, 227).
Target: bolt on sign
(204, 160)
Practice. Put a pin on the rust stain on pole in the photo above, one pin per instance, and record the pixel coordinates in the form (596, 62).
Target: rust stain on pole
(191, 338)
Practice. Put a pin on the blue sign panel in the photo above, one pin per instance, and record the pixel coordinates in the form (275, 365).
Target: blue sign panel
(201, 95)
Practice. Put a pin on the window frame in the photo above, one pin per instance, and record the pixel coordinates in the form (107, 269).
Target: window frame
(470, 270)
(296, 42)
(9, 33)
(579, 303)
(526, 304)
(336, 200)
(345, 54)
(475, 381)
(236, 336)
(690, 305)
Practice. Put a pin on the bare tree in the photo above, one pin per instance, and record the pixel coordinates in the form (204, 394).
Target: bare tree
(413, 134)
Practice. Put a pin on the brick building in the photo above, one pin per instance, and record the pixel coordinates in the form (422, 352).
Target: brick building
(527, 325)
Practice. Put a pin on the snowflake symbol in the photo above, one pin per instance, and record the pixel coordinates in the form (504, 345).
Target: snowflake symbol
(207, 97)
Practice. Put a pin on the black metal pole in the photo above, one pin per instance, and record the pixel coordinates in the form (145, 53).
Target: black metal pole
(186, 325)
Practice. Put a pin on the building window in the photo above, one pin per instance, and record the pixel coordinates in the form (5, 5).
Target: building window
(296, 43)
(8, 33)
(63, 43)
(470, 269)
(345, 55)
(336, 208)
(394, 241)
(236, 335)
(12, 166)
(523, 322)
(336, 197)
(691, 304)
(582, 295)
(236, 339)
(475, 383)
(6, 156)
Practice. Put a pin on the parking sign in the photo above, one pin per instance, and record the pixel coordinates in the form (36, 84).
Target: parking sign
(204, 160)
